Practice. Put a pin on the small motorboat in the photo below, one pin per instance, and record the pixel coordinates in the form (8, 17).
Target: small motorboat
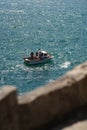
(40, 57)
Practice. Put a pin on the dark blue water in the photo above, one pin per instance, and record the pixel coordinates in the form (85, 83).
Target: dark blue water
(57, 26)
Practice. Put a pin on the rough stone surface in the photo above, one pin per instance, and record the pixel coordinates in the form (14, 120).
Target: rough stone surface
(8, 108)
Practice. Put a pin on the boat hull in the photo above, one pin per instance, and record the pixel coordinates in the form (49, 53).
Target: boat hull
(37, 61)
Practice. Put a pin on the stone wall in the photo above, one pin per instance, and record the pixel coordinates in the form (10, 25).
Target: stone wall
(8, 109)
(43, 105)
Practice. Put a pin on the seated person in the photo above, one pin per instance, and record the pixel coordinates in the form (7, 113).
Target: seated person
(32, 56)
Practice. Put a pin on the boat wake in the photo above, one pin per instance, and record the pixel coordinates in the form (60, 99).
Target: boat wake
(65, 64)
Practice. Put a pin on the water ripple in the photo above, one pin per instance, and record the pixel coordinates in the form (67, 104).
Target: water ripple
(56, 26)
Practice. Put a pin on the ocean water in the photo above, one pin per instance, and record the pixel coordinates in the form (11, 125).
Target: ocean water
(57, 26)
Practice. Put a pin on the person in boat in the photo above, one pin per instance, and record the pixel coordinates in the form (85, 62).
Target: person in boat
(32, 56)
(37, 55)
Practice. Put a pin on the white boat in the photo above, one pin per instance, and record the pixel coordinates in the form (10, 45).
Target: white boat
(40, 57)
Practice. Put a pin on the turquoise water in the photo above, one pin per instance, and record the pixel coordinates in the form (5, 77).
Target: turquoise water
(57, 26)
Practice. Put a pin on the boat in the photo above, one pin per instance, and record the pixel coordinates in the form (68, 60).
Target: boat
(40, 57)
